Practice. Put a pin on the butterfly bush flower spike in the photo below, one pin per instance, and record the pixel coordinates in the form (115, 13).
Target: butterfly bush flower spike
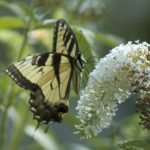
(124, 71)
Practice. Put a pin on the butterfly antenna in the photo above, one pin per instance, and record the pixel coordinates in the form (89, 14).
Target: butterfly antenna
(87, 48)
(93, 78)
(91, 58)
(90, 61)
(90, 75)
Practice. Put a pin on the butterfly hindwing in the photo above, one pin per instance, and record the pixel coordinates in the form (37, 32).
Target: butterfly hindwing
(41, 80)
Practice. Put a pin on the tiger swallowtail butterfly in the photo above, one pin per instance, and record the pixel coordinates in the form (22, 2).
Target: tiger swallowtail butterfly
(49, 76)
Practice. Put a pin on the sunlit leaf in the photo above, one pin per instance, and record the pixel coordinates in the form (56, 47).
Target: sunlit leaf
(11, 22)
(20, 9)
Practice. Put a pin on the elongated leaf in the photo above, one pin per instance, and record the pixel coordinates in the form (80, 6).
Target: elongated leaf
(20, 9)
(13, 7)
(11, 22)
(108, 39)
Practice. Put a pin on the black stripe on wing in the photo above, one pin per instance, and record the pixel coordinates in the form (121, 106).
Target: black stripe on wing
(64, 33)
(40, 60)
(69, 83)
(56, 65)
(66, 37)
(15, 74)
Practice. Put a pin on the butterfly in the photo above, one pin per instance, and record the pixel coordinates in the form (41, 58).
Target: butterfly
(49, 76)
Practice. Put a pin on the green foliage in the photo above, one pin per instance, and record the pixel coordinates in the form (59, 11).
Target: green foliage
(26, 28)
(134, 145)
(12, 42)
(10, 22)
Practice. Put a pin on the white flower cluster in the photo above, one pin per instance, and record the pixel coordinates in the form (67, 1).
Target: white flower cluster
(112, 81)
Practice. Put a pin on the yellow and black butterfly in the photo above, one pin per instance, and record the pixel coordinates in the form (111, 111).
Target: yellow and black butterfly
(50, 75)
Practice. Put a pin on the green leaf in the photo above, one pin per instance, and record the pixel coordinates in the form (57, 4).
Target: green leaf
(13, 7)
(20, 9)
(108, 39)
(25, 8)
(134, 145)
(11, 42)
(11, 22)
(85, 40)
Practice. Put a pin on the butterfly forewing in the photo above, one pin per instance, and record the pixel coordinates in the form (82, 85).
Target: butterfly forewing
(64, 40)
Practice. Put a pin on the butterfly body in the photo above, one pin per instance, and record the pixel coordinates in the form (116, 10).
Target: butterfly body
(49, 75)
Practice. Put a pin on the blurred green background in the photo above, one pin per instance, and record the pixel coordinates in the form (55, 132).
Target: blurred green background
(26, 27)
